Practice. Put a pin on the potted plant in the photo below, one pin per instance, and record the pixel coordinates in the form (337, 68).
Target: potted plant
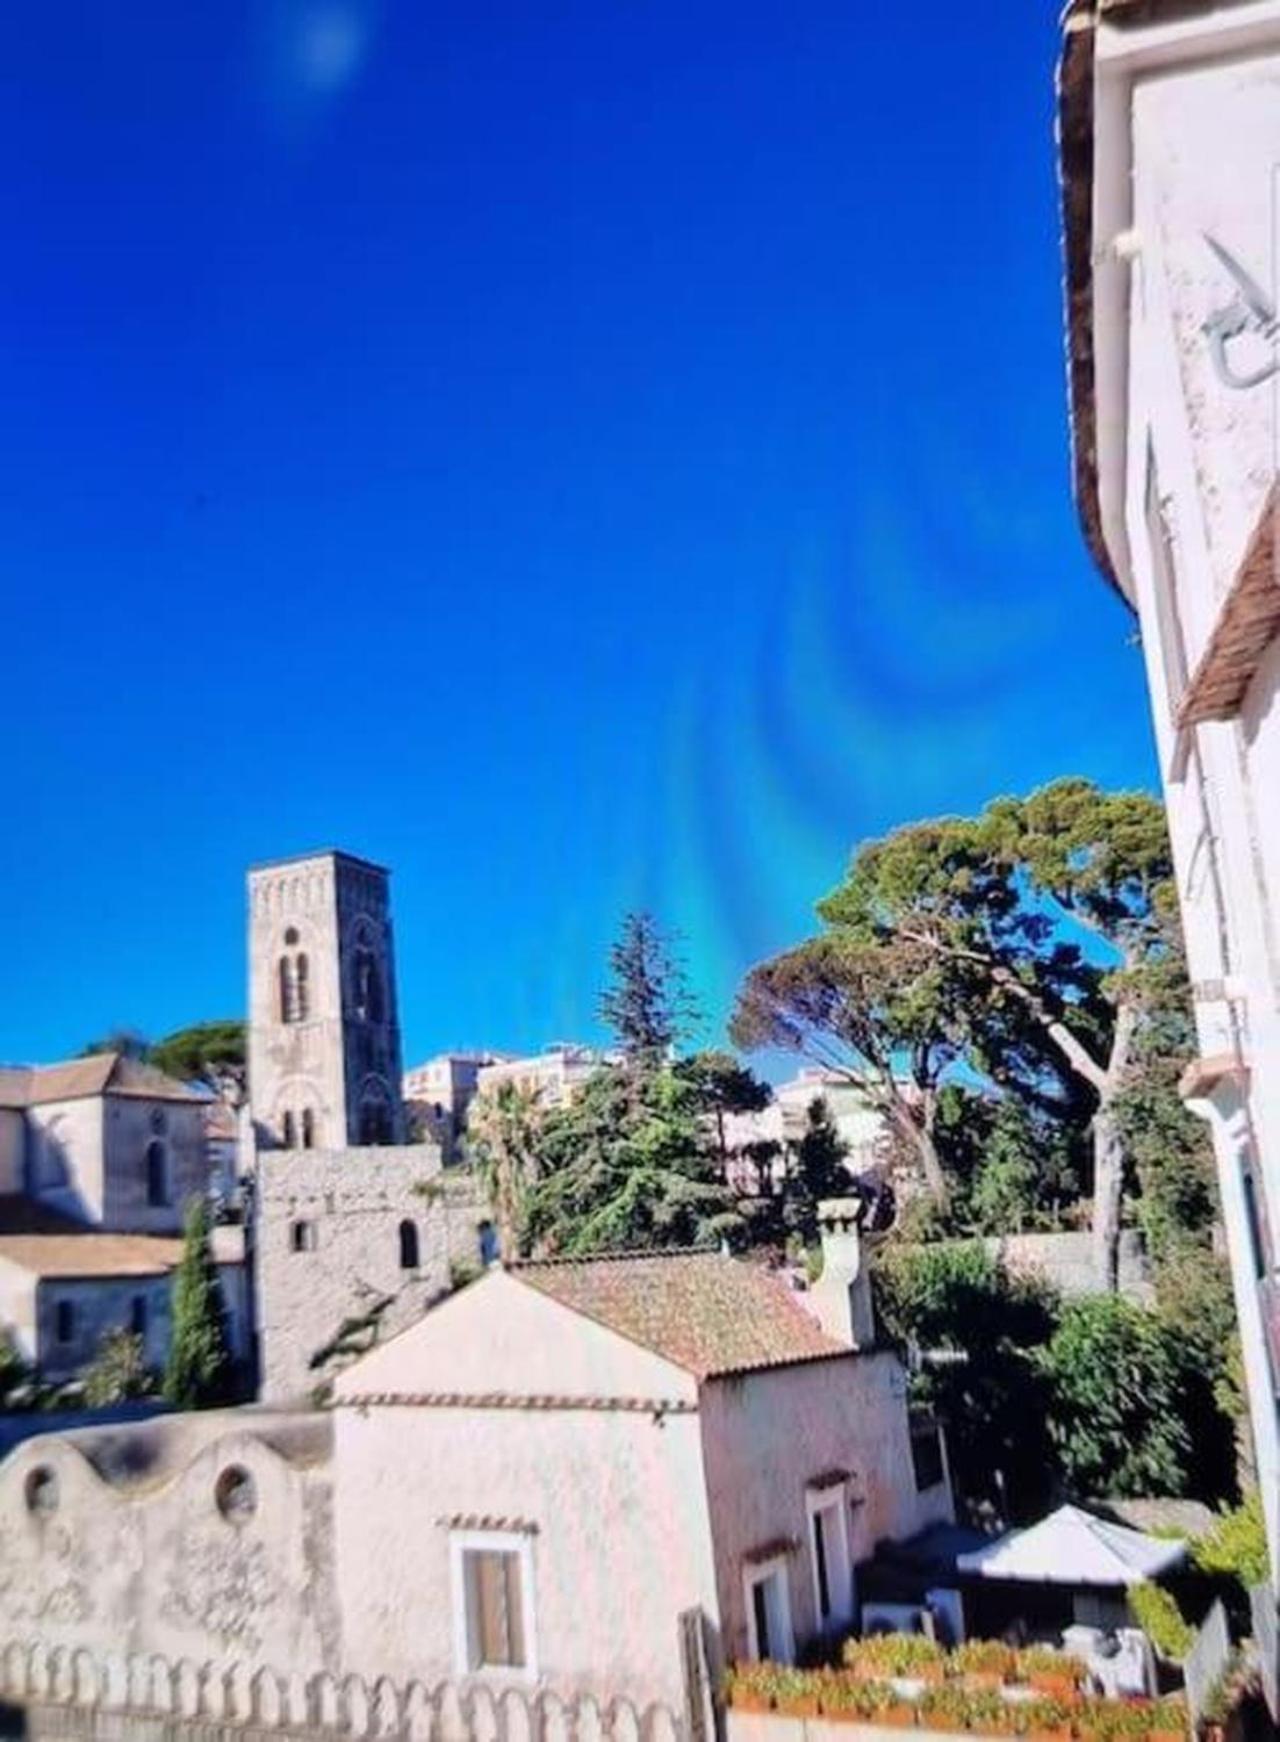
(896, 1654)
(1169, 1720)
(846, 1699)
(748, 1687)
(983, 1663)
(1045, 1720)
(1050, 1671)
(946, 1707)
(887, 1706)
(795, 1692)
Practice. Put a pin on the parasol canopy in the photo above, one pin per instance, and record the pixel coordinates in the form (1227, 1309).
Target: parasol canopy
(1072, 1547)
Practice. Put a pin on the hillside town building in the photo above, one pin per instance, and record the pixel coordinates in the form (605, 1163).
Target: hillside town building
(532, 1488)
(98, 1159)
(1170, 137)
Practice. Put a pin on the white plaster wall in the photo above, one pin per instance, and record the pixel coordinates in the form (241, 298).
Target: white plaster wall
(151, 1565)
(767, 1435)
(18, 1307)
(502, 1335)
(74, 1130)
(621, 1546)
(1204, 130)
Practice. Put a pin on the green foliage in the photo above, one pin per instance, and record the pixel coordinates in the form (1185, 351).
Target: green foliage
(15, 1375)
(126, 1041)
(647, 1004)
(210, 1052)
(199, 1371)
(1236, 1546)
(504, 1130)
(1117, 1392)
(723, 1085)
(817, 1171)
(974, 1331)
(627, 1165)
(1157, 1613)
(118, 1373)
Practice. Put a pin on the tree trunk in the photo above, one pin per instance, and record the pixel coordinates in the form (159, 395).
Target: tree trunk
(920, 1139)
(1108, 1155)
(1108, 1184)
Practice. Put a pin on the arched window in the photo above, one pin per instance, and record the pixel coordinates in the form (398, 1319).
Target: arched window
(368, 987)
(289, 1131)
(288, 990)
(157, 1161)
(295, 987)
(375, 1122)
(408, 1246)
(308, 1128)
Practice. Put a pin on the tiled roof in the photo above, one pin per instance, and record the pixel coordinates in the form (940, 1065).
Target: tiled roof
(1247, 624)
(102, 1073)
(706, 1313)
(91, 1255)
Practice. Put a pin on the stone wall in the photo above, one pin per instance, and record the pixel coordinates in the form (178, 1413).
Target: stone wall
(1066, 1260)
(328, 1231)
(129, 1124)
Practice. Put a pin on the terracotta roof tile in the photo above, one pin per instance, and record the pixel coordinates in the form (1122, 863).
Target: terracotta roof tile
(706, 1313)
(89, 1255)
(102, 1073)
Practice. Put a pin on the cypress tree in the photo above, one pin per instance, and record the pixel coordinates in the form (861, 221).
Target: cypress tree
(198, 1373)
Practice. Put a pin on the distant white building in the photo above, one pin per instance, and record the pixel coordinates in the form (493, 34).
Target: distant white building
(554, 1075)
(438, 1093)
(862, 1128)
(1170, 134)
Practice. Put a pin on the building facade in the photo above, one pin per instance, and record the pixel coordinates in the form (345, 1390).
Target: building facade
(1170, 138)
(100, 1158)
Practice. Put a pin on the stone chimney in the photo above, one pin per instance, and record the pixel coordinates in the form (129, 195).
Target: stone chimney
(841, 1297)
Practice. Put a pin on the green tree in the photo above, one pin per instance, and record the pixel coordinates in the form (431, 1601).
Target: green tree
(817, 1170)
(503, 1133)
(15, 1375)
(625, 1166)
(723, 1086)
(647, 1003)
(1117, 1393)
(1058, 910)
(118, 1373)
(199, 1370)
(205, 1052)
(126, 1041)
(884, 1015)
(971, 1332)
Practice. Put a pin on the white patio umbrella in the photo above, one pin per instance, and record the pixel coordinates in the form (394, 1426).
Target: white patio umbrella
(1072, 1547)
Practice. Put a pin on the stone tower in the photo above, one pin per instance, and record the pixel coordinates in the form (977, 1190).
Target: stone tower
(324, 1037)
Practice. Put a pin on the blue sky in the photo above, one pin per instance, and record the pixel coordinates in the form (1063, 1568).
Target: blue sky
(579, 456)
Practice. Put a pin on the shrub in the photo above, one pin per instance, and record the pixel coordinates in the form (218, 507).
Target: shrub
(1157, 1613)
(1236, 1545)
(118, 1372)
(1037, 1662)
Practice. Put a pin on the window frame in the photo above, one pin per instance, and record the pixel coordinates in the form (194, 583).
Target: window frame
(759, 1573)
(156, 1159)
(833, 1498)
(519, 1543)
(64, 1307)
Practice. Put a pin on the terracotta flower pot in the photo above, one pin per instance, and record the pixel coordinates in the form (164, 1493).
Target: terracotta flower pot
(934, 1673)
(1049, 1733)
(751, 1702)
(1056, 1685)
(899, 1717)
(982, 1681)
(1165, 1733)
(799, 1706)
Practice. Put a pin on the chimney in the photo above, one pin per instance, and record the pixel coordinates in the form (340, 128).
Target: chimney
(841, 1297)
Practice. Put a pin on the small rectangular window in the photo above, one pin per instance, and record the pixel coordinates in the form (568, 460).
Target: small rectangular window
(1253, 1222)
(302, 1237)
(65, 1321)
(138, 1315)
(769, 1634)
(493, 1620)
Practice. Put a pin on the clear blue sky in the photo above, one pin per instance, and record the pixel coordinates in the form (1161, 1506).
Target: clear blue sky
(580, 456)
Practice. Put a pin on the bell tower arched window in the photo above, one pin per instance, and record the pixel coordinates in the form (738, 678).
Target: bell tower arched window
(159, 1192)
(289, 1131)
(308, 1128)
(369, 1006)
(293, 970)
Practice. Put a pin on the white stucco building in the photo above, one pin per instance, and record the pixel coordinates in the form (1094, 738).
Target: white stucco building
(1170, 137)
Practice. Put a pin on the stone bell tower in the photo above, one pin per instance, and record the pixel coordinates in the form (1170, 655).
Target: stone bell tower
(324, 1036)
